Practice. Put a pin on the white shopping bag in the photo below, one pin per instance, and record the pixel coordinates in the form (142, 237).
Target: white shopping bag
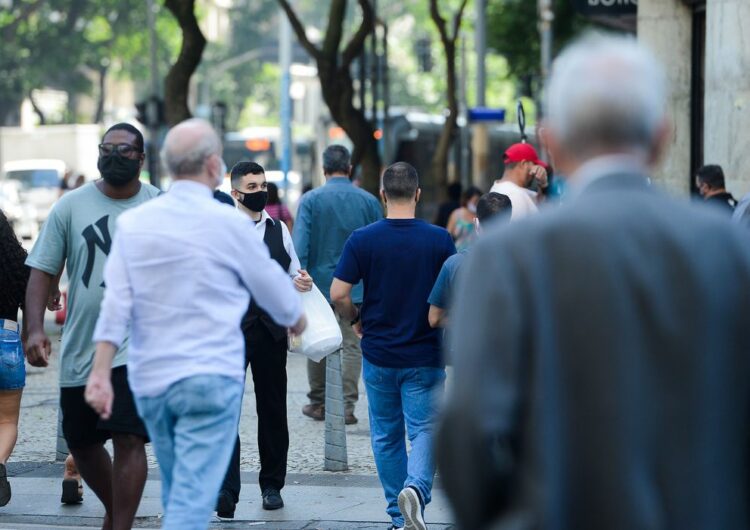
(322, 335)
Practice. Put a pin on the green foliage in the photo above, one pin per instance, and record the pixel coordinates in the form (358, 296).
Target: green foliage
(513, 33)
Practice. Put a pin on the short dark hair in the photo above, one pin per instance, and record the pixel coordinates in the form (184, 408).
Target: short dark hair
(493, 205)
(242, 168)
(128, 128)
(400, 181)
(712, 175)
(454, 191)
(470, 193)
(336, 159)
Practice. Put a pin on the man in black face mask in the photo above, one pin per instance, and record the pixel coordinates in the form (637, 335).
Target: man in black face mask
(265, 350)
(78, 236)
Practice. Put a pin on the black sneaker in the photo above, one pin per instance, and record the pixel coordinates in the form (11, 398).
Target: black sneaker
(411, 507)
(225, 505)
(272, 499)
(394, 527)
(4, 486)
(72, 492)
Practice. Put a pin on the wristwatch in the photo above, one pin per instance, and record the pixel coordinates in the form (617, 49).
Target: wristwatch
(356, 319)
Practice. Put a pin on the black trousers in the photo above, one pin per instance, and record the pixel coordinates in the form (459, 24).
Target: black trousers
(267, 360)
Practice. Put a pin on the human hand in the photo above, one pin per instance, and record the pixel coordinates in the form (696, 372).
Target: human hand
(53, 299)
(99, 394)
(38, 349)
(303, 282)
(540, 174)
(357, 328)
(299, 327)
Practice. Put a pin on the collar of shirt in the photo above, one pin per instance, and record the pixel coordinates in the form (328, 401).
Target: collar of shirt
(263, 218)
(338, 180)
(601, 166)
(190, 187)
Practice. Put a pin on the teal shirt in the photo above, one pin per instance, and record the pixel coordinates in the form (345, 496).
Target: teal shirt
(326, 217)
(78, 234)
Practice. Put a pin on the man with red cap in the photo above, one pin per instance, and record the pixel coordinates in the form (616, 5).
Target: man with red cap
(522, 166)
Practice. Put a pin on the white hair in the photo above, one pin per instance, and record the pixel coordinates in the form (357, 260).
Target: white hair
(606, 93)
(187, 145)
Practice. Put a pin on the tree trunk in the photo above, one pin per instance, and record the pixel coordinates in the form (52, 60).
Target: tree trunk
(177, 82)
(102, 94)
(37, 110)
(439, 164)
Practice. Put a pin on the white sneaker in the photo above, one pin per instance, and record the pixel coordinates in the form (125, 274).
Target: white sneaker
(411, 508)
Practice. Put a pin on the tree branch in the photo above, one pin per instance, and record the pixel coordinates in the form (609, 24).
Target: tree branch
(8, 32)
(299, 30)
(357, 42)
(439, 21)
(335, 29)
(457, 19)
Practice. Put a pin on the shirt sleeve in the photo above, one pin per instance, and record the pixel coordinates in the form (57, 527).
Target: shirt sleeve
(286, 237)
(50, 249)
(441, 289)
(348, 269)
(269, 285)
(301, 234)
(114, 317)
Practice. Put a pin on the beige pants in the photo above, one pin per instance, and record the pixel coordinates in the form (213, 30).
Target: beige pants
(351, 363)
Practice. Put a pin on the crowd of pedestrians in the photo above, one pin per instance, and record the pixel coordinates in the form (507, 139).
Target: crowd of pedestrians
(599, 346)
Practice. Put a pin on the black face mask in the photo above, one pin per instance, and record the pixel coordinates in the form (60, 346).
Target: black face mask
(255, 202)
(118, 171)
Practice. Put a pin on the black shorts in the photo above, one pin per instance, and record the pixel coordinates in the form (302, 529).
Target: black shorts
(82, 427)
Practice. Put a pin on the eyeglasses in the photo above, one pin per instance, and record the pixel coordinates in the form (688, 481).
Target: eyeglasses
(123, 149)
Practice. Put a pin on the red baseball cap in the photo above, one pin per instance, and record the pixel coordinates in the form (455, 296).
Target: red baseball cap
(522, 153)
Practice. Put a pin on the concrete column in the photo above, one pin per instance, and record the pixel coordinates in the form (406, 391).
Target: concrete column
(665, 27)
(727, 103)
(336, 458)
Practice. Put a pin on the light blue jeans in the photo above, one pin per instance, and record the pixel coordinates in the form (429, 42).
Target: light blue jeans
(192, 427)
(399, 396)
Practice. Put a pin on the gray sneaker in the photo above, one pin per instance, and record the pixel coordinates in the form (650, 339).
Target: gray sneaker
(410, 505)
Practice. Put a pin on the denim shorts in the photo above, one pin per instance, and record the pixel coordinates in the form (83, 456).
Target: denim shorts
(12, 367)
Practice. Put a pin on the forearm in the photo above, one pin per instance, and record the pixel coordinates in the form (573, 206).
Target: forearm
(105, 353)
(37, 293)
(346, 308)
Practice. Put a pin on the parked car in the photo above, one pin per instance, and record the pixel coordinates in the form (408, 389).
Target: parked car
(37, 186)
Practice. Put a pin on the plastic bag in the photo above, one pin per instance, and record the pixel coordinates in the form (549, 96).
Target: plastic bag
(323, 335)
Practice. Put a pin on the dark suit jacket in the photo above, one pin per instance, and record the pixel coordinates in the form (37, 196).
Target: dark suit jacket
(602, 369)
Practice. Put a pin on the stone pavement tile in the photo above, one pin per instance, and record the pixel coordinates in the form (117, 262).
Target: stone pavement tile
(37, 498)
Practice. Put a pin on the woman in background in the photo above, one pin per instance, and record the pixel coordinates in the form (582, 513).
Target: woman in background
(276, 209)
(14, 275)
(461, 221)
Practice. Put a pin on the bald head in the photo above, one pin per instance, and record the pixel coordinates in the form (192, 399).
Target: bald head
(189, 147)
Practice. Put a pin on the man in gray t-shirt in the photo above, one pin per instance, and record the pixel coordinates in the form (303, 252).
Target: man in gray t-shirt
(78, 235)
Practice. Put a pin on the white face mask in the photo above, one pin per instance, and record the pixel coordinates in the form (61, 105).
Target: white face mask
(472, 207)
(221, 175)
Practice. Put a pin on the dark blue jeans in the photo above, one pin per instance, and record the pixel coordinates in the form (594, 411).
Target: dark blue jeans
(401, 401)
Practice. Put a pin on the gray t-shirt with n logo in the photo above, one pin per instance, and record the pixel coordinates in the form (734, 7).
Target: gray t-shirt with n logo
(79, 230)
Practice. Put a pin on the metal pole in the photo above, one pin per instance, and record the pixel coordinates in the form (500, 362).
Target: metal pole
(386, 98)
(285, 61)
(336, 457)
(152, 106)
(480, 35)
(546, 17)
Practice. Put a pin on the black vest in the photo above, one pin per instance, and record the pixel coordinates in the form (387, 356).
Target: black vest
(255, 316)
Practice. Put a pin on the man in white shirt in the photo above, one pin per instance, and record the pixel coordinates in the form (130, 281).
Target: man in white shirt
(522, 166)
(265, 350)
(178, 277)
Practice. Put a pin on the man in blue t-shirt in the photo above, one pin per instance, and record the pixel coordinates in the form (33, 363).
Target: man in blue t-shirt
(397, 260)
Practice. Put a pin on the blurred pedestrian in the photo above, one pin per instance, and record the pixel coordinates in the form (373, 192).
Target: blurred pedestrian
(616, 397)
(326, 217)
(265, 350)
(710, 182)
(398, 260)
(490, 205)
(450, 205)
(277, 209)
(78, 235)
(14, 275)
(522, 168)
(461, 221)
(178, 276)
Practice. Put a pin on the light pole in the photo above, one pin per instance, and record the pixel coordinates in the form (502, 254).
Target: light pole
(546, 18)
(152, 105)
(285, 61)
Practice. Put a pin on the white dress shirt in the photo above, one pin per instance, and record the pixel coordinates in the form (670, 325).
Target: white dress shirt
(286, 238)
(179, 276)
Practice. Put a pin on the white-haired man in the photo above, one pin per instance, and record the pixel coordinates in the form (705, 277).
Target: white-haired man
(179, 277)
(615, 396)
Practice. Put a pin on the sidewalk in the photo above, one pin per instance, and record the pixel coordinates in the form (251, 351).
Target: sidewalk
(331, 501)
